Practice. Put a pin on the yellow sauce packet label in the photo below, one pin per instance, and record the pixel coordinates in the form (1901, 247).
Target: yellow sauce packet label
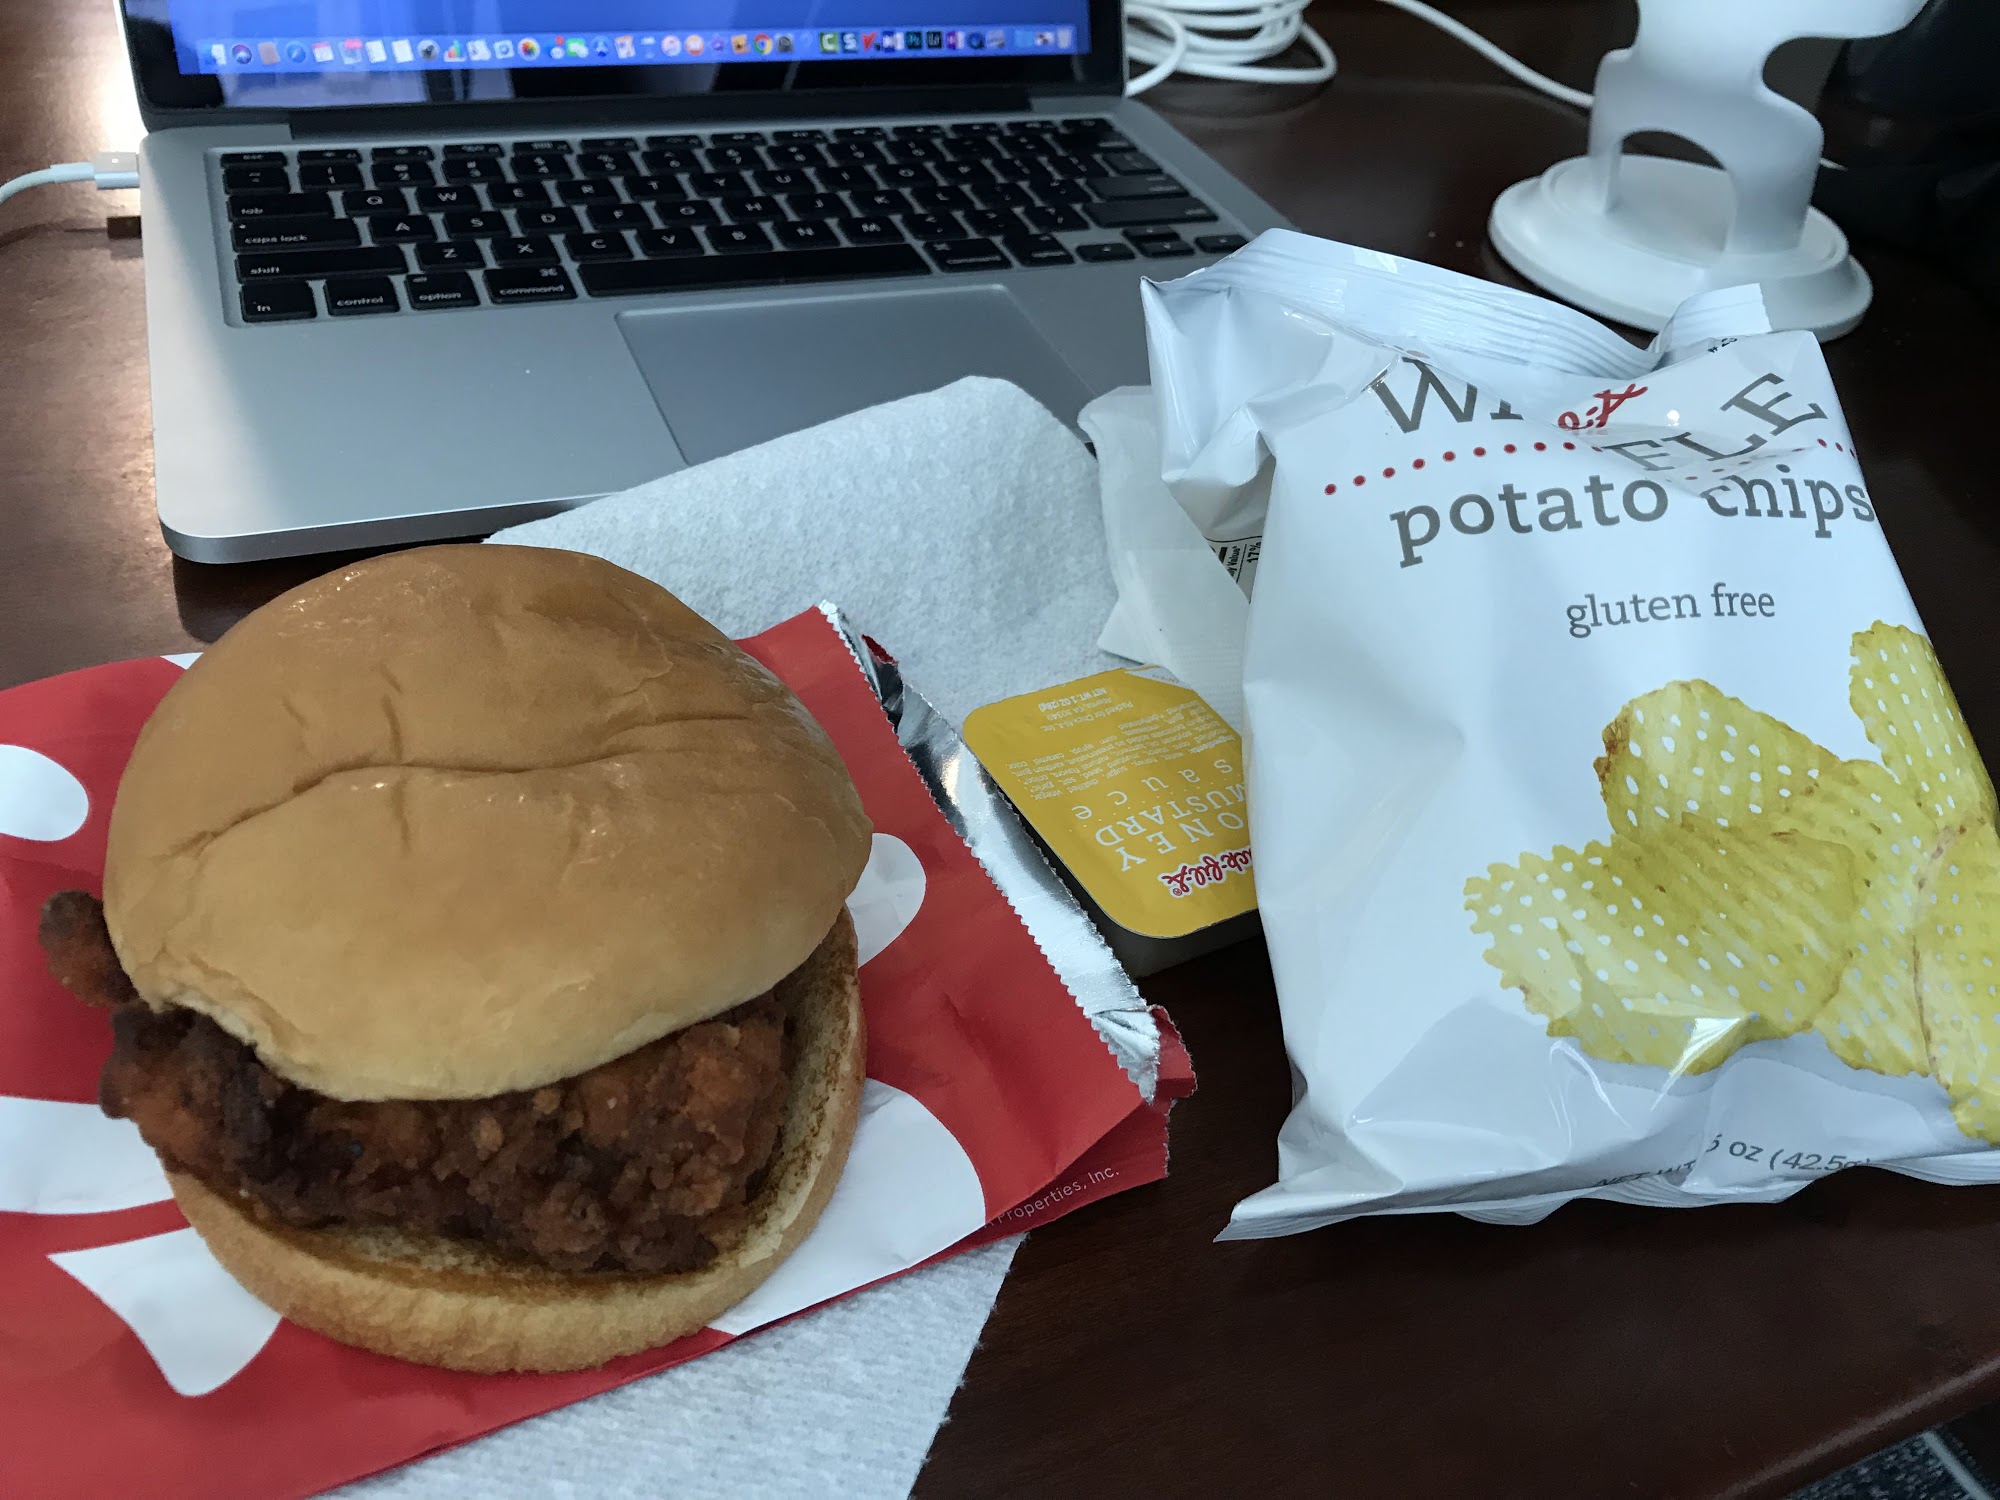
(1136, 784)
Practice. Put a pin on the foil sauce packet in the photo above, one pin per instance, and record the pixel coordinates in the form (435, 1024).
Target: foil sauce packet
(1014, 1075)
(1616, 832)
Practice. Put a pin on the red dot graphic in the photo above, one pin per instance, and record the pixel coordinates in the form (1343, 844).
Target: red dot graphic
(1330, 489)
(1479, 453)
(1508, 449)
(1839, 448)
(1569, 445)
(1416, 463)
(1820, 441)
(1449, 455)
(1388, 473)
(1360, 478)
(1541, 447)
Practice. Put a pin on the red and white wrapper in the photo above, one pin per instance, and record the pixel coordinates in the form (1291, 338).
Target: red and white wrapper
(1013, 1075)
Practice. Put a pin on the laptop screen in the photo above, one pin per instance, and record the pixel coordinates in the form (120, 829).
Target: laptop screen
(301, 53)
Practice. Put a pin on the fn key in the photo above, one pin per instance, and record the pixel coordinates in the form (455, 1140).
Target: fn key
(278, 302)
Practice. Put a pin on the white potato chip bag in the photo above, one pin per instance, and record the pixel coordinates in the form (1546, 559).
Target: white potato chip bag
(1616, 833)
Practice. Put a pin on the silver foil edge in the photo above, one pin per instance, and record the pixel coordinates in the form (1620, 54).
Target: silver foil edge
(981, 815)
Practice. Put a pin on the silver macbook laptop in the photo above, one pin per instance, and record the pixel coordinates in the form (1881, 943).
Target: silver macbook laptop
(485, 259)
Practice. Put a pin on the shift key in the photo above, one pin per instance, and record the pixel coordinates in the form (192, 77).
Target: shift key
(360, 261)
(1127, 213)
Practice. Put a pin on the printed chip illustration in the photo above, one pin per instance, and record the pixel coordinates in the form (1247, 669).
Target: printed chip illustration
(1755, 885)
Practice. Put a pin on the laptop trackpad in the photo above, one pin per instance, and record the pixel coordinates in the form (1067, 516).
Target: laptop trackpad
(728, 377)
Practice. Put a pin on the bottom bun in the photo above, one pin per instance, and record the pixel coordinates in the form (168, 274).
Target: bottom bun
(451, 1303)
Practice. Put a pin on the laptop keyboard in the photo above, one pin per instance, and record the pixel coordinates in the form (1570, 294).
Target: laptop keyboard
(349, 231)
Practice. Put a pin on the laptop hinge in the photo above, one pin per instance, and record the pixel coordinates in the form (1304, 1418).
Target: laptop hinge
(519, 115)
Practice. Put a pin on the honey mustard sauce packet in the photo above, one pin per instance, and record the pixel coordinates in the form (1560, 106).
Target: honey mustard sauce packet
(1616, 832)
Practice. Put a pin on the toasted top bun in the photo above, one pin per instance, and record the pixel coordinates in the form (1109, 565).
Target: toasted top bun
(463, 820)
(454, 1303)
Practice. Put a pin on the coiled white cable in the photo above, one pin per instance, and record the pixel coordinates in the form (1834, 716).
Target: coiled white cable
(1234, 40)
(110, 170)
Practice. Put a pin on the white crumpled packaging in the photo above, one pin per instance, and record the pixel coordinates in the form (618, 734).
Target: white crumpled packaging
(1615, 832)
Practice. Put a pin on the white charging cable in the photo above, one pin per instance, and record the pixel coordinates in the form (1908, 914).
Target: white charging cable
(109, 170)
(1234, 40)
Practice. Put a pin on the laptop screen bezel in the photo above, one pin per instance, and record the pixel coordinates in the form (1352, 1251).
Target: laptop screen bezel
(832, 85)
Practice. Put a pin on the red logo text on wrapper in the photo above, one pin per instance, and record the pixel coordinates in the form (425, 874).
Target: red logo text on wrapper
(1211, 869)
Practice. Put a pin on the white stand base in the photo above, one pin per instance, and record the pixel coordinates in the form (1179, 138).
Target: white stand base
(1661, 242)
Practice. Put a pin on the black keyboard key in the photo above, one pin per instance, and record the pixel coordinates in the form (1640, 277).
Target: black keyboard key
(916, 132)
(278, 302)
(543, 148)
(253, 158)
(356, 296)
(974, 129)
(279, 206)
(880, 201)
(838, 179)
(608, 143)
(330, 174)
(610, 246)
(446, 289)
(718, 184)
(525, 250)
(730, 158)
(539, 167)
(871, 229)
(474, 169)
(1141, 185)
(1171, 249)
(661, 244)
(964, 173)
(357, 261)
(737, 239)
(1103, 250)
(993, 223)
(752, 210)
(401, 229)
(432, 200)
(738, 137)
(618, 216)
(687, 211)
(530, 284)
(1056, 220)
(1144, 232)
(913, 151)
(792, 137)
(375, 201)
(859, 133)
(402, 153)
(473, 148)
(294, 234)
(547, 220)
(815, 205)
(1038, 250)
(783, 180)
(515, 194)
(256, 180)
(450, 255)
(626, 278)
(671, 161)
(322, 154)
(967, 255)
(391, 174)
(853, 153)
(469, 225)
(1004, 195)
(1145, 211)
(672, 142)
(906, 175)
(937, 200)
(606, 163)
(932, 227)
(1132, 162)
(1062, 192)
(795, 156)
(654, 189)
(809, 234)
(589, 190)
(1219, 244)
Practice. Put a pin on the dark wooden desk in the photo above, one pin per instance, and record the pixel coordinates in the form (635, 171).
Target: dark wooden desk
(1609, 1351)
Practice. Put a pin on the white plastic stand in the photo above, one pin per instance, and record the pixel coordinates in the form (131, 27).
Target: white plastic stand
(1631, 237)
